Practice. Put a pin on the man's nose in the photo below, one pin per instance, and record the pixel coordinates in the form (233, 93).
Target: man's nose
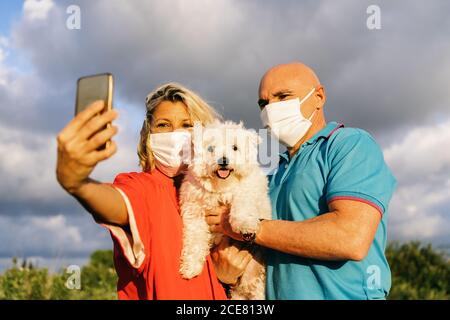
(223, 161)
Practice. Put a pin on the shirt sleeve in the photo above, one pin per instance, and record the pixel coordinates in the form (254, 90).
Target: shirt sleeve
(358, 171)
(133, 241)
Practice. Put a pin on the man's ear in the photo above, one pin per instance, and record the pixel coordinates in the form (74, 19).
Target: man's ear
(321, 95)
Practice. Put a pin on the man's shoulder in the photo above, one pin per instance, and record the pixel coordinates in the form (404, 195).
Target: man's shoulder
(352, 140)
(344, 133)
(350, 135)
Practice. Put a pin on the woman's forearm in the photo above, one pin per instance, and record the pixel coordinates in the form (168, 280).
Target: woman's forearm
(103, 201)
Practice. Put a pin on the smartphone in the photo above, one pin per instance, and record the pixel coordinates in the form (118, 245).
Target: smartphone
(93, 88)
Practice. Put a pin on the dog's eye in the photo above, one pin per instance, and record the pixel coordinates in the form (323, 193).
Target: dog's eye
(235, 147)
(210, 149)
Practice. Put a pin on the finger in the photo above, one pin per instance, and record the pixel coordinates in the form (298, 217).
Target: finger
(242, 254)
(230, 251)
(80, 119)
(211, 220)
(240, 257)
(245, 261)
(100, 138)
(96, 123)
(212, 213)
(96, 156)
(216, 228)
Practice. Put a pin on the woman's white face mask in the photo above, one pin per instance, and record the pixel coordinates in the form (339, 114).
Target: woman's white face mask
(285, 120)
(171, 151)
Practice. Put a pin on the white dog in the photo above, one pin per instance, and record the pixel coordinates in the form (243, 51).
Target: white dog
(224, 170)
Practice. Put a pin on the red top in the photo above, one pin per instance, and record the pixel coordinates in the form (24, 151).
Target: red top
(147, 256)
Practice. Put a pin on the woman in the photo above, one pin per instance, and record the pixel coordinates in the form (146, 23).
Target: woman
(141, 209)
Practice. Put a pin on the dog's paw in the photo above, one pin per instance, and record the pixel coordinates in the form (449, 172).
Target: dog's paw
(247, 225)
(190, 271)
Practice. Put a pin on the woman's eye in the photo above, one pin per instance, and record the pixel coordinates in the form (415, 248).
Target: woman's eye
(210, 149)
(235, 148)
(283, 96)
(187, 125)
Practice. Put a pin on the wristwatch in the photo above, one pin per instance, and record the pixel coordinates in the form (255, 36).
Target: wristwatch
(250, 237)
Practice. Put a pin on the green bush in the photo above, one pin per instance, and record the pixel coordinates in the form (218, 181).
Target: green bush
(418, 272)
(98, 281)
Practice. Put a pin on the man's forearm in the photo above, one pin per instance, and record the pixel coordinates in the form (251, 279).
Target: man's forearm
(321, 238)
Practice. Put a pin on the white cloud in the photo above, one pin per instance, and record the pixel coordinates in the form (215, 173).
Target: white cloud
(421, 163)
(421, 152)
(57, 226)
(37, 9)
(51, 236)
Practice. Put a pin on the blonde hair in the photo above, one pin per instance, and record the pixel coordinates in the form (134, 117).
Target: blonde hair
(197, 108)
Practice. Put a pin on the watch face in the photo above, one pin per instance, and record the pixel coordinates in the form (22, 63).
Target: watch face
(249, 237)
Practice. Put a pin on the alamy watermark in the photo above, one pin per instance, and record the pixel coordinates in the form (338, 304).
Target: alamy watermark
(74, 280)
(73, 21)
(374, 277)
(373, 21)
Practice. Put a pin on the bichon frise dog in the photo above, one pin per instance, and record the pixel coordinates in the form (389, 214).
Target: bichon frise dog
(224, 170)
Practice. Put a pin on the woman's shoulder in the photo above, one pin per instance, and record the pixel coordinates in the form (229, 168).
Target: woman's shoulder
(144, 179)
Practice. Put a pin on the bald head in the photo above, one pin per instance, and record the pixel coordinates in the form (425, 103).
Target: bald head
(295, 73)
(289, 81)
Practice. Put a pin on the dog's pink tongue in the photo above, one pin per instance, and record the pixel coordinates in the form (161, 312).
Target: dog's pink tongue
(223, 173)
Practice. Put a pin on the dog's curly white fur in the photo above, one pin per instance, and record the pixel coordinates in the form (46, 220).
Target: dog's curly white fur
(224, 171)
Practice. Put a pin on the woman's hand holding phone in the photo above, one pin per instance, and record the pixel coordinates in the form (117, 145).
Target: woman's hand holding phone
(79, 145)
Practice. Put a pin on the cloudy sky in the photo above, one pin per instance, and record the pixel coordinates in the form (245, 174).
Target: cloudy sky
(392, 81)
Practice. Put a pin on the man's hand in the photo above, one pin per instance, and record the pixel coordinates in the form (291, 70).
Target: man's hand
(229, 261)
(218, 222)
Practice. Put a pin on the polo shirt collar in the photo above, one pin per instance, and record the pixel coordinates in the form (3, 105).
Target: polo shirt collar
(325, 133)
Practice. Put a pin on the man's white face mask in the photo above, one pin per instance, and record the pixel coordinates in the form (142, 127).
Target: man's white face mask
(171, 151)
(285, 120)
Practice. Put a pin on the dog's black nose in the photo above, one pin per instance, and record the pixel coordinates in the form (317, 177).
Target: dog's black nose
(223, 162)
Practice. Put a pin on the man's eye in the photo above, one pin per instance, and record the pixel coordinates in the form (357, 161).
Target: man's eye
(187, 125)
(283, 96)
(210, 149)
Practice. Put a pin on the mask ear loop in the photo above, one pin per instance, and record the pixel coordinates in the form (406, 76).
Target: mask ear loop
(308, 95)
(317, 108)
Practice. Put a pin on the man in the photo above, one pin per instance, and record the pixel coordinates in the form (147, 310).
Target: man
(329, 195)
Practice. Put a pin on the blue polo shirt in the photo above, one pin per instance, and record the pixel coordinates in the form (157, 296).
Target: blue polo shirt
(337, 163)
